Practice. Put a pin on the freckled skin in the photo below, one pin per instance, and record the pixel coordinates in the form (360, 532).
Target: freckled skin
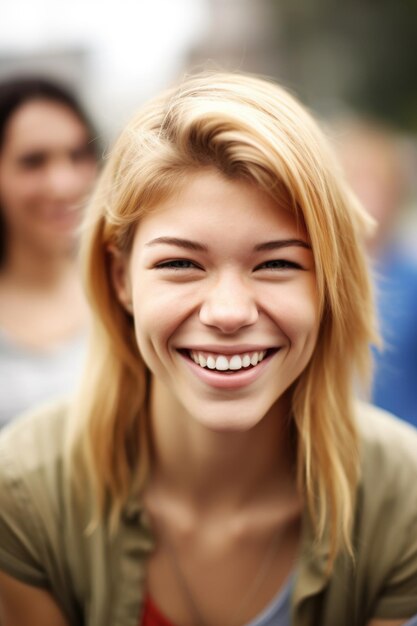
(228, 295)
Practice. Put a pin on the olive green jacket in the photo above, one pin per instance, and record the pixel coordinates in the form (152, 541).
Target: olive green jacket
(99, 580)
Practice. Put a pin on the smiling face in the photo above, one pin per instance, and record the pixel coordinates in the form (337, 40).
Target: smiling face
(46, 170)
(222, 288)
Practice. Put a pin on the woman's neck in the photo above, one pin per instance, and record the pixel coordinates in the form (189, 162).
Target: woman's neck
(222, 469)
(31, 268)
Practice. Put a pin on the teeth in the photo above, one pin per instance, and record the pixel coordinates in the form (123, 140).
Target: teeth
(246, 360)
(223, 363)
(211, 362)
(235, 362)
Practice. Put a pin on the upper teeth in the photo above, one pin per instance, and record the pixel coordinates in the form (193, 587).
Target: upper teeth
(222, 362)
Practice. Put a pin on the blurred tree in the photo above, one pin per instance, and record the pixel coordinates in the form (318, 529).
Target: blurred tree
(363, 52)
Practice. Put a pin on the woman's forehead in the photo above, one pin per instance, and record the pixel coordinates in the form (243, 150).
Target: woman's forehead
(207, 203)
(44, 124)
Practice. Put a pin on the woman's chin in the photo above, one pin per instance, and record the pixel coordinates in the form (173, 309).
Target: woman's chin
(229, 418)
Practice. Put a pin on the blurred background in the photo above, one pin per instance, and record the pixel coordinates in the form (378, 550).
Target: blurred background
(361, 55)
(354, 64)
(355, 60)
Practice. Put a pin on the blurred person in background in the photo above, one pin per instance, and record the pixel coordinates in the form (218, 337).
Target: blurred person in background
(375, 162)
(47, 168)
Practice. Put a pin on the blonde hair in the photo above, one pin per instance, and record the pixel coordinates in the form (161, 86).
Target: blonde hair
(246, 128)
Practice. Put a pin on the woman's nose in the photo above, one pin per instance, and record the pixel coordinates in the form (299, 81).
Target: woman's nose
(64, 181)
(229, 305)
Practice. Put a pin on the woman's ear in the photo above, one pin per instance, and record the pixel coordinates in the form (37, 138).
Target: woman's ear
(119, 273)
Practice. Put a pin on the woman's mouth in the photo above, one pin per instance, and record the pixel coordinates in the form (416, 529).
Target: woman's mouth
(229, 371)
(228, 363)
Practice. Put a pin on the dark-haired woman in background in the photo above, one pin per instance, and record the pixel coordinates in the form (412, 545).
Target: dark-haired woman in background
(47, 167)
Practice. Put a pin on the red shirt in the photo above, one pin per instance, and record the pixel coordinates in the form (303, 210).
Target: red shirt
(151, 615)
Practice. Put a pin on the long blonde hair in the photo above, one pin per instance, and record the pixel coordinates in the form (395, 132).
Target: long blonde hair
(247, 128)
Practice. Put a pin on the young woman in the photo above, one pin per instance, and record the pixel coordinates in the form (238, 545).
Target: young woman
(215, 468)
(47, 167)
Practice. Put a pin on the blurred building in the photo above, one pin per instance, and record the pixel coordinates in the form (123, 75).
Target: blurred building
(241, 35)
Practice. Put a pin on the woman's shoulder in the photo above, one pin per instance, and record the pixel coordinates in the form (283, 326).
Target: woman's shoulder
(37, 472)
(41, 532)
(34, 443)
(382, 577)
(33, 487)
(32, 450)
(385, 538)
(388, 486)
(46, 536)
(386, 440)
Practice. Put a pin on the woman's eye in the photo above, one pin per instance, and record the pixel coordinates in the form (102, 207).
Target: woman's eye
(32, 161)
(177, 264)
(278, 264)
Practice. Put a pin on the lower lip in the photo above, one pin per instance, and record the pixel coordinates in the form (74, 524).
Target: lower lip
(228, 381)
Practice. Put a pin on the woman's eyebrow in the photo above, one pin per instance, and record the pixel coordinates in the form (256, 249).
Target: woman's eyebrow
(281, 243)
(177, 241)
(195, 245)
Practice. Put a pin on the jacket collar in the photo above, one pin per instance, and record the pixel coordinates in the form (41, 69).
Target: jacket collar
(312, 575)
